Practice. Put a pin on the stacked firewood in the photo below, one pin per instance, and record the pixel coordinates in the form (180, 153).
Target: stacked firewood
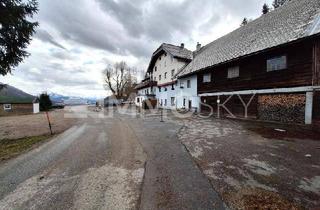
(282, 107)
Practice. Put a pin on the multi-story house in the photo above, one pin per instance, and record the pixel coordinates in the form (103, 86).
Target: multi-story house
(165, 63)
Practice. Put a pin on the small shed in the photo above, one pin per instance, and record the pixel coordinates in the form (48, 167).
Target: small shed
(19, 106)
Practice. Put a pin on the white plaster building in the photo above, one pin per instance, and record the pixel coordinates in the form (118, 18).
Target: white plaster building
(186, 93)
(163, 83)
(165, 63)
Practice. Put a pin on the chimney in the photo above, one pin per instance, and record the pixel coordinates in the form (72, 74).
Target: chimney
(198, 46)
(194, 53)
(182, 45)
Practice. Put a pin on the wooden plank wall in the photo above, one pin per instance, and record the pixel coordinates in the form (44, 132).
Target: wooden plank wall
(17, 109)
(316, 62)
(254, 75)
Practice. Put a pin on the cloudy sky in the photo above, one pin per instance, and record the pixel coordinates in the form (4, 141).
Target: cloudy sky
(77, 39)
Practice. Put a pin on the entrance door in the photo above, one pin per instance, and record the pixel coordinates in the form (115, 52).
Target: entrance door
(190, 104)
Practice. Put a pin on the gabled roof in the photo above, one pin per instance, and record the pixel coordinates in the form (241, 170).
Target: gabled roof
(176, 51)
(295, 20)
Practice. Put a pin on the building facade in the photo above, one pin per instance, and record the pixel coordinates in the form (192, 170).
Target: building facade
(271, 75)
(161, 82)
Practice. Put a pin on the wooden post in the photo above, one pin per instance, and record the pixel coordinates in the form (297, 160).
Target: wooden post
(49, 123)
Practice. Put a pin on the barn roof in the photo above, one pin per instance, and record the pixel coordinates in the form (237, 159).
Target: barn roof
(295, 20)
(175, 51)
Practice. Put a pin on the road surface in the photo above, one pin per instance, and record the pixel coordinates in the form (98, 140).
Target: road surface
(121, 162)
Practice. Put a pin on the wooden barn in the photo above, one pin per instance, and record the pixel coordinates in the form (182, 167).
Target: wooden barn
(268, 69)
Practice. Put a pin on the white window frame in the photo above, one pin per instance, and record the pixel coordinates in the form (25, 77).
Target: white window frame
(188, 83)
(173, 101)
(277, 63)
(181, 84)
(206, 78)
(7, 107)
(233, 72)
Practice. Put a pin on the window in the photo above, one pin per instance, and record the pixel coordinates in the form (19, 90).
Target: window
(181, 84)
(165, 75)
(159, 89)
(165, 89)
(277, 63)
(159, 77)
(172, 72)
(184, 102)
(161, 102)
(138, 100)
(233, 72)
(206, 78)
(155, 68)
(7, 106)
(172, 101)
(165, 102)
(188, 84)
(172, 87)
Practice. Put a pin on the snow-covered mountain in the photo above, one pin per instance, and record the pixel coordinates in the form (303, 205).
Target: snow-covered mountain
(71, 100)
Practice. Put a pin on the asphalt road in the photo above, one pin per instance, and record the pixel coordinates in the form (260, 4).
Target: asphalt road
(108, 163)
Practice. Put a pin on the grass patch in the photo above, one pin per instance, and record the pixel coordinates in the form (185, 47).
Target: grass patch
(12, 147)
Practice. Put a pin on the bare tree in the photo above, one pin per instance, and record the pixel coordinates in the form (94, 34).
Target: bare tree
(119, 79)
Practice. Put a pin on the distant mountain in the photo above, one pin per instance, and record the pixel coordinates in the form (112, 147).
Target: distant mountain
(70, 100)
(10, 94)
(57, 97)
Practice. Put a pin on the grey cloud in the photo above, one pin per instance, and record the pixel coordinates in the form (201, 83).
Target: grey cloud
(145, 23)
(43, 35)
(62, 55)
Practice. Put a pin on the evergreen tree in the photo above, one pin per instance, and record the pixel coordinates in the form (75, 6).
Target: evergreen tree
(265, 9)
(244, 22)
(45, 102)
(16, 31)
(278, 3)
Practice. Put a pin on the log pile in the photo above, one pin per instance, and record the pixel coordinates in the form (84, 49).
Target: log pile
(286, 108)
